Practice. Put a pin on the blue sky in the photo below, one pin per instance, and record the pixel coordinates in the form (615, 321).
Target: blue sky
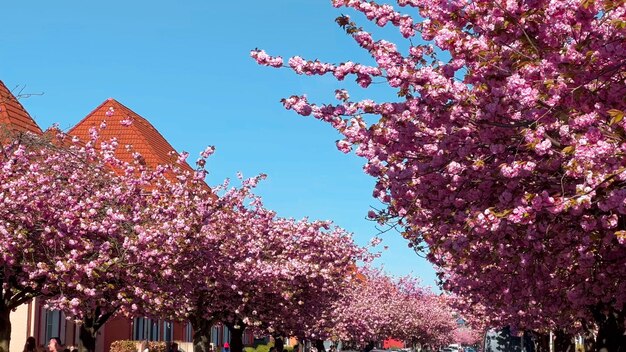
(185, 66)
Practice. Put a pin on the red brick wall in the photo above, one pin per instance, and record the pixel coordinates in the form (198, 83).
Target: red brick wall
(118, 328)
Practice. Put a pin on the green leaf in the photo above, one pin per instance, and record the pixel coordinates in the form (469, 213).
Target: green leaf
(616, 116)
(587, 3)
(621, 24)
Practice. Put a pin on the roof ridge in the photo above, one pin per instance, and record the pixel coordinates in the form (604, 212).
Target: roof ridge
(14, 113)
(11, 96)
(69, 132)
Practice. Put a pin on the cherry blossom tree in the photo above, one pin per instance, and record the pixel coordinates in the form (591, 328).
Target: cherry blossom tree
(242, 265)
(97, 236)
(379, 307)
(366, 314)
(246, 267)
(86, 231)
(424, 318)
(313, 266)
(157, 229)
(203, 278)
(466, 336)
(65, 215)
(503, 151)
(320, 261)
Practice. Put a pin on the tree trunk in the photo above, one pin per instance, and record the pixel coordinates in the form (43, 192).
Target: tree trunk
(369, 346)
(236, 336)
(610, 329)
(88, 332)
(563, 342)
(87, 336)
(5, 327)
(609, 334)
(542, 342)
(589, 340)
(319, 345)
(201, 333)
(279, 343)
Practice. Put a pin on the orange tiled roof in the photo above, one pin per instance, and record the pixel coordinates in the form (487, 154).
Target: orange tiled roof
(13, 115)
(141, 135)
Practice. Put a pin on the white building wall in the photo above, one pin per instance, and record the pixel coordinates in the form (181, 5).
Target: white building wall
(19, 328)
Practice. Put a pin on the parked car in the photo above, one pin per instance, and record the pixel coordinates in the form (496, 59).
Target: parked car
(497, 340)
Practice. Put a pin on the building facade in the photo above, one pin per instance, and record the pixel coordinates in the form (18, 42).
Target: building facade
(33, 319)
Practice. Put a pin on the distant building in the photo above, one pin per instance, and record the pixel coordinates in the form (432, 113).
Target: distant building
(33, 319)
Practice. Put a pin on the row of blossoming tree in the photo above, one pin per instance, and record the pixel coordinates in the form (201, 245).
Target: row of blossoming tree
(96, 236)
(379, 307)
(504, 152)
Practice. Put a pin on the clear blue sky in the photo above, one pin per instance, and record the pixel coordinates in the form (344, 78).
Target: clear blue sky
(185, 66)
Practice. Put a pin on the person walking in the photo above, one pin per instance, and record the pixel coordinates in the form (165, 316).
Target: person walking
(55, 345)
(30, 345)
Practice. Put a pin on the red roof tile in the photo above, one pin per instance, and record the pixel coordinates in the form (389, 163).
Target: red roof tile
(13, 115)
(141, 135)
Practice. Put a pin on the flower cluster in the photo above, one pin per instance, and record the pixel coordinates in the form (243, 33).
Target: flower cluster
(97, 236)
(507, 158)
(379, 307)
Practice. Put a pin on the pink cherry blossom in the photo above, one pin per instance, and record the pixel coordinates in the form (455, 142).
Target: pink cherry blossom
(504, 155)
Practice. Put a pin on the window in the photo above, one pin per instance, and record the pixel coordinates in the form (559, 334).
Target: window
(138, 329)
(226, 334)
(188, 333)
(154, 330)
(146, 329)
(167, 331)
(53, 324)
(215, 335)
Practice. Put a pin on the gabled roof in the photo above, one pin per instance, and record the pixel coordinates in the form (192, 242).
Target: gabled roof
(140, 134)
(13, 115)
